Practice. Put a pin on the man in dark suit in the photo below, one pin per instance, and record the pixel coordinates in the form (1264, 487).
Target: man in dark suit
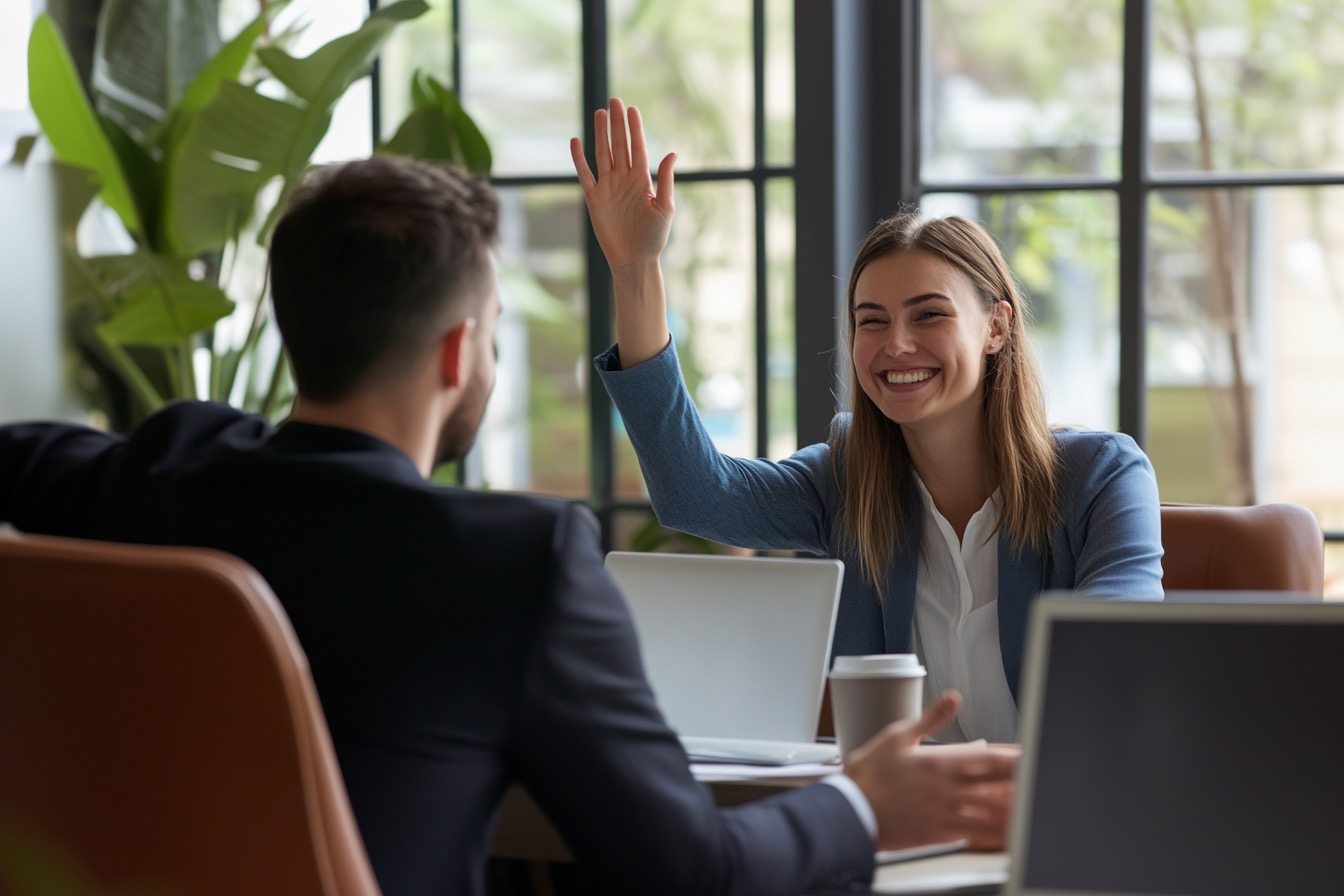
(460, 641)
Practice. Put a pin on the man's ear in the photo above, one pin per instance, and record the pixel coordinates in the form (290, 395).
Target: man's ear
(455, 353)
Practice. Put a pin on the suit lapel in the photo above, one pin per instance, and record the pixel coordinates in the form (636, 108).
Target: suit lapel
(1020, 580)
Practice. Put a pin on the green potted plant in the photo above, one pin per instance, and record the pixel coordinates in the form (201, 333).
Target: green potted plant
(196, 189)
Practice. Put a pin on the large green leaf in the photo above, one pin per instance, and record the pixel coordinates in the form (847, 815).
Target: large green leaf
(241, 139)
(163, 307)
(237, 144)
(74, 192)
(321, 78)
(439, 128)
(147, 52)
(143, 176)
(226, 65)
(68, 121)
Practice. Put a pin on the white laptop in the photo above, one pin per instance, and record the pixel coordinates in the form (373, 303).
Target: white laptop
(1187, 748)
(736, 649)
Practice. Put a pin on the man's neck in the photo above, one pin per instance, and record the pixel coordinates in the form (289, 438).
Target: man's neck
(412, 429)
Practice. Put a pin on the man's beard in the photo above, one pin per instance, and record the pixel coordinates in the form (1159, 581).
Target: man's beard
(459, 430)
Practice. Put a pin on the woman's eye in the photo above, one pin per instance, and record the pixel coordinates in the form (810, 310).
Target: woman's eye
(867, 321)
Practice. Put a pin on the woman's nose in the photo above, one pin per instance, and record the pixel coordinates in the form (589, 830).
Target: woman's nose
(899, 340)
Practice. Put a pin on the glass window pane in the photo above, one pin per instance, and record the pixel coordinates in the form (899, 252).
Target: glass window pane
(521, 77)
(1239, 85)
(780, 293)
(779, 74)
(1021, 89)
(688, 66)
(1062, 249)
(1245, 324)
(711, 288)
(423, 44)
(15, 22)
(536, 434)
(16, 119)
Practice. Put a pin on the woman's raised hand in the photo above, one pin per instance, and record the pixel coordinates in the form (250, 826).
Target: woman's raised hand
(632, 221)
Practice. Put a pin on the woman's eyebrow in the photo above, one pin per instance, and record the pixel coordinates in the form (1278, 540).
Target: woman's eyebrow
(913, 300)
(925, 297)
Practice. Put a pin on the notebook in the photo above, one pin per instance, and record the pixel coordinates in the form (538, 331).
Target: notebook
(1190, 747)
(736, 649)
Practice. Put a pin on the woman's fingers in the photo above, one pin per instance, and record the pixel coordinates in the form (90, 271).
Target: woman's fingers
(601, 143)
(639, 152)
(619, 146)
(586, 179)
(620, 138)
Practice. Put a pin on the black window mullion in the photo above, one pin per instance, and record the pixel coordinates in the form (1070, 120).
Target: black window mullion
(1133, 210)
(455, 44)
(762, 320)
(601, 462)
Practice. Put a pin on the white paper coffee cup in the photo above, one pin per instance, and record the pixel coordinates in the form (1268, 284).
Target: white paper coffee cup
(870, 692)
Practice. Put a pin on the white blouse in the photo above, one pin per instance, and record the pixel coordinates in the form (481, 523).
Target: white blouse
(956, 625)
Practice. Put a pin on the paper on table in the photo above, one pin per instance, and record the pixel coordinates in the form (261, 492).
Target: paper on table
(723, 771)
(888, 856)
(959, 873)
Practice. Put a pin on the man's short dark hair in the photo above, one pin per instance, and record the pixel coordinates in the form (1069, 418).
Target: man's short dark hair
(371, 262)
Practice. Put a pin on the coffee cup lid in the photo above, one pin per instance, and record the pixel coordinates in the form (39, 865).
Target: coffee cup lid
(895, 665)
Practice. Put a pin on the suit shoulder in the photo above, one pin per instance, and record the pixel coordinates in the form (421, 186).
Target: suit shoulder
(1081, 446)
(185, 423)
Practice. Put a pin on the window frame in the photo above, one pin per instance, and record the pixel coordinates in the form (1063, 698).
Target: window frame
(858, 158)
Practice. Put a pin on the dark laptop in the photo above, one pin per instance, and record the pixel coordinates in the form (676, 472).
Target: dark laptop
(1188, 747)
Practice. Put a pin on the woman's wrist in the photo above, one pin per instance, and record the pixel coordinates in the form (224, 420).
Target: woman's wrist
(641, 312)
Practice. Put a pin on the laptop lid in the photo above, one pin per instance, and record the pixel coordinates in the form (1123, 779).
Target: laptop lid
(734, 647)
(1180, 748)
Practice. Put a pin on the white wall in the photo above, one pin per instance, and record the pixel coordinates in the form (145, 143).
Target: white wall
(31, 380)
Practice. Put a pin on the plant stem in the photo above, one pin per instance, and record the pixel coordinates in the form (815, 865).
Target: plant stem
(273, 390)
(187, 370)
(140, 385)
(253, 334)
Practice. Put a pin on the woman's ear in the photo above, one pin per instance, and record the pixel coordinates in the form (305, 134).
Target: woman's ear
(455, 353)
(1000, 323)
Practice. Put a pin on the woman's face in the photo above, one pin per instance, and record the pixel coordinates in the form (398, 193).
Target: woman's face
(921, 334)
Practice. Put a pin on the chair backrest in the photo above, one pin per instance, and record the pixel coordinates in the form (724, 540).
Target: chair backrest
(1260, 547)
(159, 730)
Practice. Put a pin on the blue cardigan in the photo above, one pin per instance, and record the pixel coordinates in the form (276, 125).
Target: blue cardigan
(1107, 541)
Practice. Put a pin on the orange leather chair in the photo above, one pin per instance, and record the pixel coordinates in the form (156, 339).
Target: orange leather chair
(1260, 547)
(159, 730)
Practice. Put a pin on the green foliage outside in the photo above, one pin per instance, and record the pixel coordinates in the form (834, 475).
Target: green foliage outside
(196, 150)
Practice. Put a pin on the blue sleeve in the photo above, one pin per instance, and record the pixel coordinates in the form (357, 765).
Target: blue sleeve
(596, 754)
(1118, 527)
(760, 504)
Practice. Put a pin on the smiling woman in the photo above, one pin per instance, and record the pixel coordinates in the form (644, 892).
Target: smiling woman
(950, 499)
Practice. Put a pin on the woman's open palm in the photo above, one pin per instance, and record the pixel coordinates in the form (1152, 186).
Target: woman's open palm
(631, 219)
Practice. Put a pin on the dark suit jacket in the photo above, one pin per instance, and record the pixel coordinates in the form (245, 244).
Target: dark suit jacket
(459, 641)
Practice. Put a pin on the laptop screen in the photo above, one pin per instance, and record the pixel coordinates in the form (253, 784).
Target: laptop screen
(1182, 749)
(734, 647)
